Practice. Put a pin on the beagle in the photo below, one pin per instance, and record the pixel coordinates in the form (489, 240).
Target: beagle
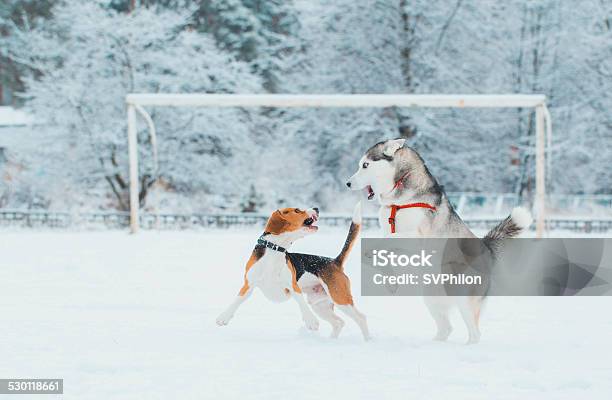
(281, 275)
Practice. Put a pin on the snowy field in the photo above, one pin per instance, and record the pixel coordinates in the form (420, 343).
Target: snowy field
(133, 317)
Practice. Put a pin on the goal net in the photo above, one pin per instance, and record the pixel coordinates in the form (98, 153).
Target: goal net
(136, 104)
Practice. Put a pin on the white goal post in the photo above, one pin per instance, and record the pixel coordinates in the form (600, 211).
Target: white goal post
(136, 102)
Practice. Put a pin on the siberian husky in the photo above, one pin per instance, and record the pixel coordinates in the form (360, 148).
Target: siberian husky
(413, 204)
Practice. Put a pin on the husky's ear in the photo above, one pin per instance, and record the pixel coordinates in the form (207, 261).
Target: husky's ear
(392, 146)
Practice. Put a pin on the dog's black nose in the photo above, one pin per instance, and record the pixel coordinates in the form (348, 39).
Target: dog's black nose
(348, 184)
(316, 209)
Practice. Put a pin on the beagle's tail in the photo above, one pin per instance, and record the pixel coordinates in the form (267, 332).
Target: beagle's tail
(352, 236)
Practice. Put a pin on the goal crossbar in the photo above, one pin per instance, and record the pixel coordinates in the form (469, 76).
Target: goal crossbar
(338, 100)
(136, 101)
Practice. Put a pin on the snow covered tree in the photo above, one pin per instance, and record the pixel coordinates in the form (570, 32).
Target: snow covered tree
(513, 47)
(17, 14)
(578, 78)
(89, 56)
(257, 31)
(352, 47)
(263, 33)
(252, 201)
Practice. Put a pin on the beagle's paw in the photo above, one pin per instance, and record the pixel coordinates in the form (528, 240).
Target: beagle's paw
(311, 322)
(224, 319)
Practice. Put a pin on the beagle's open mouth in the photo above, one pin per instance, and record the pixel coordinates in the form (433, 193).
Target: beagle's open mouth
(310, 222)
(370, 192)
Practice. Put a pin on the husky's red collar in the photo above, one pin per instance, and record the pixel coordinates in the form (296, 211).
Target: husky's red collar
(395, 207)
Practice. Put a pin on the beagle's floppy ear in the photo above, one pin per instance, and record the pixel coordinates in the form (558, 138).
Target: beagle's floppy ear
(276, 223)
(392, 146)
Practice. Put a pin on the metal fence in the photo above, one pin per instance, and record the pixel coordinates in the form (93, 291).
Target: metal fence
(120, 220)
(502, 203)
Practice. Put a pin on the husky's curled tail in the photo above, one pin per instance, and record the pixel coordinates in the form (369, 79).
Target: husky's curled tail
(512, 226)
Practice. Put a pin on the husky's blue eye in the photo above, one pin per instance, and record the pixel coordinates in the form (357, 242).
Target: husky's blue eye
(365, 165)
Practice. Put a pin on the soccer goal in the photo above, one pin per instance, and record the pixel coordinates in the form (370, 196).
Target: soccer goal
(137, 102)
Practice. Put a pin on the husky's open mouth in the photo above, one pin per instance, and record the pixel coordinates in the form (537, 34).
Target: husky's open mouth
(370, 192)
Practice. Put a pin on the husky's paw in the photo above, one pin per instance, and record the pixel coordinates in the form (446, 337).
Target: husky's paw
(224, 319)
(473, 339)
(442, 336)
(311, 322)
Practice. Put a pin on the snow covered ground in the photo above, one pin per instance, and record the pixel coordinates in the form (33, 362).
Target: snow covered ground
(126, 317)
